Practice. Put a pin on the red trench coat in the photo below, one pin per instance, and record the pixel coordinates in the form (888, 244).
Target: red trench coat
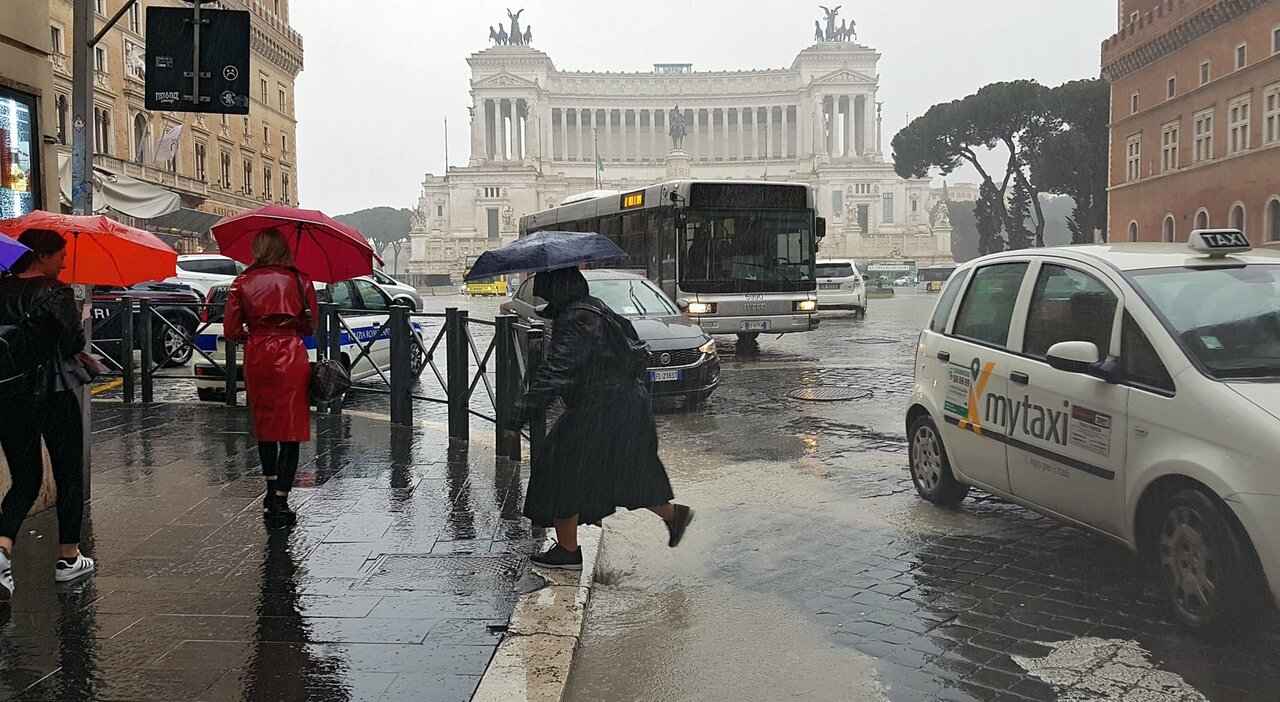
(264, 306)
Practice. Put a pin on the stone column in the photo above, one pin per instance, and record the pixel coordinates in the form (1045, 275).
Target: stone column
(859, 126)
(755, 133)
(533, 146)
(490, 127)
(879, 128)
(771, 143)
(584, 135)
(786, 132)
(847, 148)
(830, 105)
(502, 130)
(518, 147)
(564, 133)
(623, 134)
(639, 135)
(742, 133)
(697, 133)
(477, 131)
(655, 139)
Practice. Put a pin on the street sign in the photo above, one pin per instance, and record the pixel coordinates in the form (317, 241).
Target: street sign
(78, 124)
(223, 41)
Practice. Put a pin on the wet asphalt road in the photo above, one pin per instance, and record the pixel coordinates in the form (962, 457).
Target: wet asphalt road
(814, 572)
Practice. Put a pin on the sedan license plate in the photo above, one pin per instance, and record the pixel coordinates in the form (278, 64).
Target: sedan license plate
(829, 286)
(663, 376)
(755, 326)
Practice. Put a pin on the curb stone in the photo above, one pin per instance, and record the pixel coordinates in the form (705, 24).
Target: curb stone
(533, 661)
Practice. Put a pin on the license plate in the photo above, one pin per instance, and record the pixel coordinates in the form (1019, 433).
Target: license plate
(829, 286)
(663, 376)
(755, 326)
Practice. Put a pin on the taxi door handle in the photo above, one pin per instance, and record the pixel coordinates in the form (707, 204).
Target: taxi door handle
(1019, 377)
(944, 356)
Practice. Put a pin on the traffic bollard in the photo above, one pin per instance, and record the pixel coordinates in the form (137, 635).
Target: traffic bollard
(508, 384)
(456, 373)
(148, 362)
(401, 366)
(126, 346)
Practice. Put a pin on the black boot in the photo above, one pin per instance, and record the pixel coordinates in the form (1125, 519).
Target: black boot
(266, 497)
(279, 516)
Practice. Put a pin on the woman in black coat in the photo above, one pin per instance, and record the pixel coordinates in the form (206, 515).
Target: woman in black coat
(603, 453)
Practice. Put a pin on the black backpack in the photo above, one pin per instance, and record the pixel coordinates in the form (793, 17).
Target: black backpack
(630, 348)
(17, 345)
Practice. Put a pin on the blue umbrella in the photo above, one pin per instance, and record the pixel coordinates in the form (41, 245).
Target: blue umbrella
(10, 251)
(545, 251)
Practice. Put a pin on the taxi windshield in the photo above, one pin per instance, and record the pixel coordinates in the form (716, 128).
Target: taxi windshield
(1228, 319)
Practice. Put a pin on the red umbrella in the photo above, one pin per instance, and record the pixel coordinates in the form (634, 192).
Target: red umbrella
(323, 248)
(102, 251)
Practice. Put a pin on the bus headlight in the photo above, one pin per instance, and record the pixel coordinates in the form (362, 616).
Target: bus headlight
(806, 306)
(699, 308)
(708, 348)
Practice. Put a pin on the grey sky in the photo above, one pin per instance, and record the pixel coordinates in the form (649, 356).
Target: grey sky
(381, 76)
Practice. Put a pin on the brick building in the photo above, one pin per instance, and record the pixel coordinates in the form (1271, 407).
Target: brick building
(1195, 118)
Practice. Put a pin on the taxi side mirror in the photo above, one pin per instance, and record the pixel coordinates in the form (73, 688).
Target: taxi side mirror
(1073, 356)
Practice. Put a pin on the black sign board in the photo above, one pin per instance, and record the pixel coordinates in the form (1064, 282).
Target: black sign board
(224, 60)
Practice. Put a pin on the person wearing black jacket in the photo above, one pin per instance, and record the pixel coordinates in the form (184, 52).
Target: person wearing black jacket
(41, 402)
(603, 452)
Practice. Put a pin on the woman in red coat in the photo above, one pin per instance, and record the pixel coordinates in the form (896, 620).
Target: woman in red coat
(273, 306)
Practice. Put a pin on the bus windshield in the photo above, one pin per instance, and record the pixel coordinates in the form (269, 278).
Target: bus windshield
(747, 251)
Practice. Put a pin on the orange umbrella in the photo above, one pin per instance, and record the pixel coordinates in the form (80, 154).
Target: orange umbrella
(102, 251)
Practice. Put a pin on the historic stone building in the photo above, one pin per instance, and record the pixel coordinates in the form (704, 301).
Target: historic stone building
(1195, 118)
(224, 164)
(538, 135)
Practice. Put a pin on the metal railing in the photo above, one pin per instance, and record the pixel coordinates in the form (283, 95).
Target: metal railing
(501, 365)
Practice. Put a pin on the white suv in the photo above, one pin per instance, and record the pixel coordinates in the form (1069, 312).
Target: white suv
(1131, 390)
(840, 286)
(201, 272)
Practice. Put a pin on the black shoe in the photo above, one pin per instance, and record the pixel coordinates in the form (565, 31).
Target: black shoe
(279, 516)
(558, 557)
(679, 522)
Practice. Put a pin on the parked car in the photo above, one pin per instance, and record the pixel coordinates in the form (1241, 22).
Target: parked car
(1131, 390)
(203, 271)
(170, 343)
(682, 357)
(399, 292)
(840, 286)
(905, 281)
(364, 308)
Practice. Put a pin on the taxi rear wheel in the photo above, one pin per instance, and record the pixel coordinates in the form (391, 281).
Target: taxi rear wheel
(1205, 569)
(930, 468)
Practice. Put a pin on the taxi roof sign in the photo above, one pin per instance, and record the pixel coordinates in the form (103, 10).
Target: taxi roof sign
(1218, 242)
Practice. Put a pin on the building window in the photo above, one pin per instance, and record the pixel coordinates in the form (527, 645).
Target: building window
(284, 144)
(246, 125)
(266, 183)
(262, 86)
(1133, 231)
(1238, 125)
(1237, 217)
(135, 18)
(56, 40)
(284, 187)
(492, 221)
(1133, 158)
(1172, 89)
(1169, 146)
(283, 95)
(837, 203)
(1133, 104)
(100, 7)
(493, 192)
(1271, 116)
(100, 59)
(1242, 56)
(201, 173)
(247, 174)
(225, 171)
(1273, 219)
(63, 109)
(1202, 219)
(266, 135)
(1275, 41)
(141, 137)
(1205, 73)
(1204, 135)
(888, 208)
(101, 130)
(439, 210)
(1170, 231)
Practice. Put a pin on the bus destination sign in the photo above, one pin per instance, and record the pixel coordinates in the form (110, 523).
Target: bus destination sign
(630, 201)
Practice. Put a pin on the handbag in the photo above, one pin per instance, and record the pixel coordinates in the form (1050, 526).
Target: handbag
(77, 371)
(329, 378)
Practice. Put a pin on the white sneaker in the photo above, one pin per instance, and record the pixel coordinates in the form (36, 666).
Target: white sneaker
(66, 571)
(6, 576)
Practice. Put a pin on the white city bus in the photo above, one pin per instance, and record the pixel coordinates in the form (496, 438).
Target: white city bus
(737, 256)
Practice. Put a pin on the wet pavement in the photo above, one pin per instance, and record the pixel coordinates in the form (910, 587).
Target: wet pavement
(396, 583)
(814, 572)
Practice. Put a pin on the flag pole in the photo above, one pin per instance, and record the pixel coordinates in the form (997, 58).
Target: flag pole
(446, 148)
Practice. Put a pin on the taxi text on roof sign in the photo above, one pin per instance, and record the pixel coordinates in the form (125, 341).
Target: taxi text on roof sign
(1218, 242)
(633, 200)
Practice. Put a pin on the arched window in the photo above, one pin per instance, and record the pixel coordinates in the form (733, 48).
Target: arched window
(1273, 219)
(1202, 219)
(62, 118)
(1133, 231)
(1237, 217)
(141, 135)
(1169, 228)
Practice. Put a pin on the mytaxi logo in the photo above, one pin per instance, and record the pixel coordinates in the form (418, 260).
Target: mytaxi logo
(981, 374)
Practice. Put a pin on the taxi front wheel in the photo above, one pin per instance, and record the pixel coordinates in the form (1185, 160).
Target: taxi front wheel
(1203, 565)
(930, 468)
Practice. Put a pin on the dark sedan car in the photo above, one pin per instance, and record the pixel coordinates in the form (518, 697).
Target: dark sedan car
(682, 357)
(177, 304)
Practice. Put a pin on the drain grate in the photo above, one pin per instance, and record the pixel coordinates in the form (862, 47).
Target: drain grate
(446, 572)
(829, 394)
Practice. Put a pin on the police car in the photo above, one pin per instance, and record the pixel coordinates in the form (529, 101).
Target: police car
(1132, 390)
(363, 306)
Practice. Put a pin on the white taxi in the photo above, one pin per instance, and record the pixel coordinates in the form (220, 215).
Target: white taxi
(840, 286)
(1132, 390)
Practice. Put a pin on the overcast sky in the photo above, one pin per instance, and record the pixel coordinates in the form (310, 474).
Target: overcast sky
(381, 76)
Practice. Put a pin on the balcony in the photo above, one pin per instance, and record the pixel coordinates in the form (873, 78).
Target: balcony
(156, 176)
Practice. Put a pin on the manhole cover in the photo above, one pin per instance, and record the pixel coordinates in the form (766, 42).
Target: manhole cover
(828, 394)
(448, 572)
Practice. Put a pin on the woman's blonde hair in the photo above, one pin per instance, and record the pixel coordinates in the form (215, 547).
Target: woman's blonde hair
(271, 249)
